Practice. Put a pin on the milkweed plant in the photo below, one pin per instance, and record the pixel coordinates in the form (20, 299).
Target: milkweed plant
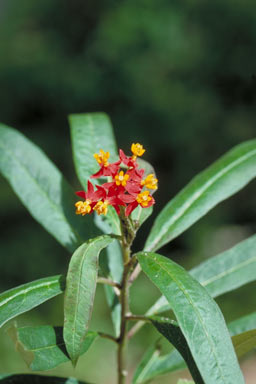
(103, 218)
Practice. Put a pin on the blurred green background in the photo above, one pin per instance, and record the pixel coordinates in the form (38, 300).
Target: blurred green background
(179, 77)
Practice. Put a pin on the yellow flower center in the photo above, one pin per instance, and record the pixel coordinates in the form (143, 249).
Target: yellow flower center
(150, 182)
(101, 207)
(121, 178)
(137, 150)
(83, 207)
(144, 198)
(102, 157)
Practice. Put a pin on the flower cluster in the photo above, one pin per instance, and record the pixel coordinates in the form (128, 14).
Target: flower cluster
(128, 188)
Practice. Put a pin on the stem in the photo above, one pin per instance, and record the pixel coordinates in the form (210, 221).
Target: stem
(124, 299)
(137, 317)
(128, 234)
(135, 274)
(107, 336)
(140, 322)
(103, 280)
(135, 329)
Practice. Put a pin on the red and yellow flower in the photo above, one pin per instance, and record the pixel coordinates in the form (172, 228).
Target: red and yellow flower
(126, 188)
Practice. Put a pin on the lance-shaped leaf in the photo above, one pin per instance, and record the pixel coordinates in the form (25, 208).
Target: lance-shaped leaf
(161, 365)
(43, 347)
(27, 296)
(222, 273)
(222, 179)
(79, 294)
(37, 379)
(90, 132)
(243, 324)
(172, 332)
(42, 189)
(145, 364)
(173, 361)
(113, 263)
(199, 318)
(244, 342)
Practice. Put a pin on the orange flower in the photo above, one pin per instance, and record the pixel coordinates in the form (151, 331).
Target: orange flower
(137, 149)
(144, 199)
(102, 157)
(150, 181)
(101, 207)
(121, 178)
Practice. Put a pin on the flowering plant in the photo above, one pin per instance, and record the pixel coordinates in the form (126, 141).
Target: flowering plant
(116, 200)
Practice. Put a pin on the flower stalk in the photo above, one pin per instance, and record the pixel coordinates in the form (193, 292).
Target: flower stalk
(128, 235)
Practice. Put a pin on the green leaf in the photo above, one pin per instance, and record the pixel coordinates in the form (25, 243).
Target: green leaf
(142, 214)
(222, 273)
(222, 179)
(173, 361)
(243, 324)
(114, 260)
(42, 189)
(108, 223)
(90, 132)
(172, 332)
(244, 342)
(147, 166)
(229, 270)
(43, 347)
(36, 379)
(27, 296)
(79, 294)
(199, 318)
(161, 365)
(115, 307)
(145, 364)
(185, 381)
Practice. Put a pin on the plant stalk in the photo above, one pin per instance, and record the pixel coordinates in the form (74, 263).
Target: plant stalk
(103, 280)
(128, 234)
(124, 299)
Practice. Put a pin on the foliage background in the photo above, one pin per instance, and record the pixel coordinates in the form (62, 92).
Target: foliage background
(180, 77)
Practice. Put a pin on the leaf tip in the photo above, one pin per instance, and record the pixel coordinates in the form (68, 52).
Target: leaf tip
(74, 362)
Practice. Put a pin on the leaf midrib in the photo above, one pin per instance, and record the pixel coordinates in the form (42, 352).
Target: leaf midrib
(78, 294)
(42, 191)
(215, 278)
(228, 272)
(183, 289)
(25, 291)
(196, 195)
(96, 142)
(43, 348)
(147, 366)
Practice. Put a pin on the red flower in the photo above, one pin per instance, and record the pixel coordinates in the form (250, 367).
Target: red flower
(125, 189)
(107, 170)
(91, 195)
(144, 199)
(129, 161)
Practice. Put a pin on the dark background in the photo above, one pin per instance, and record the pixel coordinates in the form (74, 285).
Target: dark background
(179, 77)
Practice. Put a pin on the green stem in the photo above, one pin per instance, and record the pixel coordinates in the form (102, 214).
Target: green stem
(124, 299)
(135, 328)
(137, 318)
(107, 336)
(103, 280)
(128, 234)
